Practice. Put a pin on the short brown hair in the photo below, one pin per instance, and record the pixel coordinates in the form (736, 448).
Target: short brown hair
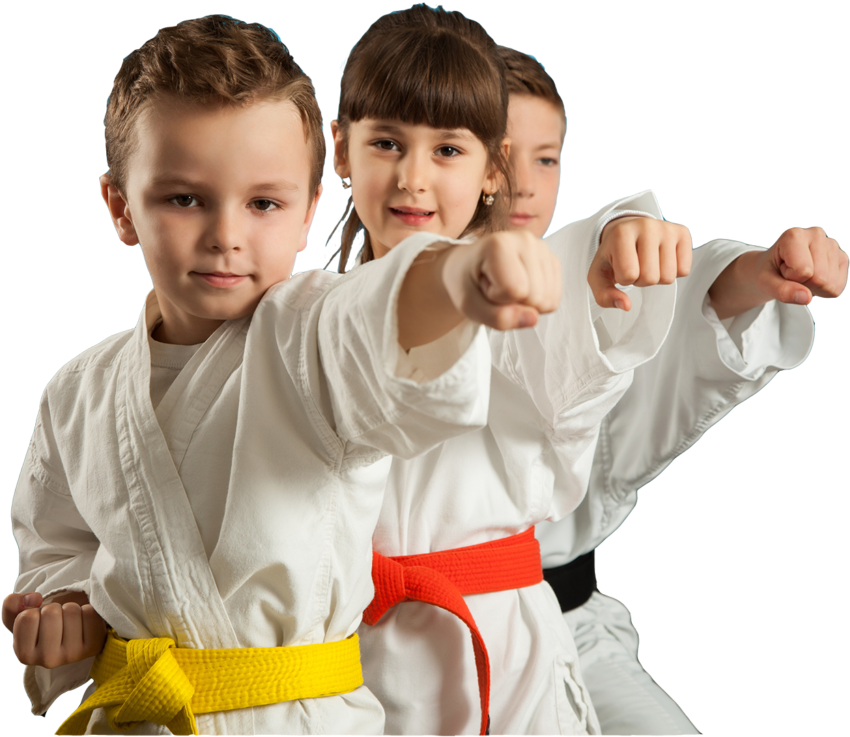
(433, 67)
(216, 59)
(526, 76)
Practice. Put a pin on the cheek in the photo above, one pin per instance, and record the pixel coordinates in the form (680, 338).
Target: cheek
(461, 194)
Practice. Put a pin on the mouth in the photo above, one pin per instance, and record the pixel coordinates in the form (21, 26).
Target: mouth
(412, 215)
(521, 218)
(220, 279)
(412, 210)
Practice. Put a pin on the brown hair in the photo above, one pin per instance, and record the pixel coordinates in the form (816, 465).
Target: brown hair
(216, 59)
(433, 67)
(526, 76)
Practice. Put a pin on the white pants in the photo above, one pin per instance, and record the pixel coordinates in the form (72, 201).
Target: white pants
(627, 700)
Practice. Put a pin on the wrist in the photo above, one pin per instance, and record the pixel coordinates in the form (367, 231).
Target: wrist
(736, 290)
(426, 309)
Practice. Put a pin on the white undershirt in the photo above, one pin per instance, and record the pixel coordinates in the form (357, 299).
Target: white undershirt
(167, 361)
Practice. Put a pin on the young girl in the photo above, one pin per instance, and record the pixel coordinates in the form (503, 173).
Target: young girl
(420, 133)
(716, 366)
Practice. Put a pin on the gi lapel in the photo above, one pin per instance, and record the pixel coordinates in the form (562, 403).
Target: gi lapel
(181, 596)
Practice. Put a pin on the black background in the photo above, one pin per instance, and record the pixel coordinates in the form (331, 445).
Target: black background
(734, 130)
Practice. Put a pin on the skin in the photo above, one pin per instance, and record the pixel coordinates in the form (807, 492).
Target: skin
(398, 170)
(803, 262)
(536, 129)
(218, 197)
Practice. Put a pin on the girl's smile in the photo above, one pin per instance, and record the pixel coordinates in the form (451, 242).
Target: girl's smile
(412, 215)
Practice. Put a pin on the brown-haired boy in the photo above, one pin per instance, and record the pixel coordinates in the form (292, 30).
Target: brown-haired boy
(712, 365)
(207, 484)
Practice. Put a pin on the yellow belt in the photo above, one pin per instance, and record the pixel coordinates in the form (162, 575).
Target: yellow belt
(153, 680)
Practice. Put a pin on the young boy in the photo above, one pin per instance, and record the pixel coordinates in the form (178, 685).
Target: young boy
(207, 484)
(734, 328)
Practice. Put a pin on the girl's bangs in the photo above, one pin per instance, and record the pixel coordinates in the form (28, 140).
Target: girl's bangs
(437, 80)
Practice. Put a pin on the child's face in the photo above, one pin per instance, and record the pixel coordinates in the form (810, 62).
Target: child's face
(219, 199)
(536, 130)
(408, 178)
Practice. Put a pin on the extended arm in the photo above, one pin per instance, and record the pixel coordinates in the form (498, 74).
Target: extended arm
(504, 280)
(802, 263)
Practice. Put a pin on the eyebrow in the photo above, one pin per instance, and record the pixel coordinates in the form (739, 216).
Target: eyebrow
(442, 133)
(281, 186)
(547, 146)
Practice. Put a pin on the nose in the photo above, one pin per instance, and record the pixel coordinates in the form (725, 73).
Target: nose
(523, 177)
(413, 171)
(225, 233)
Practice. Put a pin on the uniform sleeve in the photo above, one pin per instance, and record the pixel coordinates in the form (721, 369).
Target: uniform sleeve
(577, 362)
(704, 369)
(379, 397)
(580, 350)
(56, 550)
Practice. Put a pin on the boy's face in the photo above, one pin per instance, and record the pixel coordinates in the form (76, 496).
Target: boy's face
(536, 130)
(219, 199)
(409, 178)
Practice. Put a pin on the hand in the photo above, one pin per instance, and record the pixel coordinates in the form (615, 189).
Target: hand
(65, 631)
(640, 251)
(802, 263)
(504, 280)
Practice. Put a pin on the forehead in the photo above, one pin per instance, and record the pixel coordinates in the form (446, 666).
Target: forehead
(535, 121)
(264, 140)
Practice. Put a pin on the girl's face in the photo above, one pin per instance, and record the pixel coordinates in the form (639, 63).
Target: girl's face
(537, 129)
(408, 178)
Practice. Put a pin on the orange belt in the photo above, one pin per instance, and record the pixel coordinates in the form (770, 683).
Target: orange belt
(445, 577)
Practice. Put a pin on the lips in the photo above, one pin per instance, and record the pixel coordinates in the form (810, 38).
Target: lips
(219, 279)
(412, 210)
(412, 215)
(521, 218)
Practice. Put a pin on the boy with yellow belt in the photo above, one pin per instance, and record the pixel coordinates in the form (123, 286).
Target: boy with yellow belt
(208, 483)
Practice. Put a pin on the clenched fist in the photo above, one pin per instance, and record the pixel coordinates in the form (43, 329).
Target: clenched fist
(504, 280)
(65, 631)
(640, 251)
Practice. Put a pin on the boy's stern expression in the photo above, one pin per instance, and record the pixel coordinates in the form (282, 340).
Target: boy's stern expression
(218, 197)
(536, 130)
(409, 178)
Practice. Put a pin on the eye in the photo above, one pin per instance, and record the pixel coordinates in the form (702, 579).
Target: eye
(264, 205)
(449, 152)
(386, 144)
(184, 201)
(547, 162)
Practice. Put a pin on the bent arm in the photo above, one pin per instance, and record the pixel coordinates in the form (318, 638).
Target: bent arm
(57, 549)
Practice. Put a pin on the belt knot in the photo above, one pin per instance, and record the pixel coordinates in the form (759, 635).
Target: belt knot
(140, 680)
(392, 589)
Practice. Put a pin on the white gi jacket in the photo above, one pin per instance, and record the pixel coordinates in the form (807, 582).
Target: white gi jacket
(701, 373)
(304, 398)
(551, 387)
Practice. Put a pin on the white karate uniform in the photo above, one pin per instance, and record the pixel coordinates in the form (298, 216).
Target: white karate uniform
(300, 404)
(704, 369)
(550, 388)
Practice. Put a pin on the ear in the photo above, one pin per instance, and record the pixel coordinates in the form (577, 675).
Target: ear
(119, 211)
(341, 166)
(308, 219)
(494, 181)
